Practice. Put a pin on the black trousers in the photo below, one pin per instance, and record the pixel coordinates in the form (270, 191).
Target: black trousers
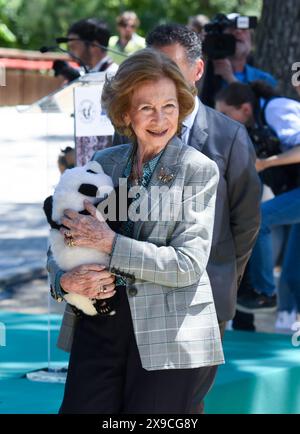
(105, 374)
(207, 378)
(242, 320)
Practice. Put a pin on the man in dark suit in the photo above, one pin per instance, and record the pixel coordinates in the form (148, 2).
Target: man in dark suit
(238, 197)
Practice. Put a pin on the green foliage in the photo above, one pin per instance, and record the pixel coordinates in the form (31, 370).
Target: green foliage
(6, 35)
(32, 23)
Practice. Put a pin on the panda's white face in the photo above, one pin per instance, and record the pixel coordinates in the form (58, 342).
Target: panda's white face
(80, 183)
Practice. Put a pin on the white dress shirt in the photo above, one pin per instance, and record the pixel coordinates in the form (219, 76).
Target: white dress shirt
(189, 122)
(112, 68)
(283, 116)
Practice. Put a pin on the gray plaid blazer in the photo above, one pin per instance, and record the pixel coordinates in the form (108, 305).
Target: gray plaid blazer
(172, 306)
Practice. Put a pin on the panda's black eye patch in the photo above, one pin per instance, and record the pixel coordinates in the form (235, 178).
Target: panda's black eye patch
(88, 190)
(91, 171)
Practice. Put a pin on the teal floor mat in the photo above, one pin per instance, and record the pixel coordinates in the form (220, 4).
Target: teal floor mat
(261, 374)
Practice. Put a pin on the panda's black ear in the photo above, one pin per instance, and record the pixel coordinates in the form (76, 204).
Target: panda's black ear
(88, 190)
(47, 207)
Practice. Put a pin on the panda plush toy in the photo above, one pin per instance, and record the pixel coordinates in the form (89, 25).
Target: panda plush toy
(75, 185)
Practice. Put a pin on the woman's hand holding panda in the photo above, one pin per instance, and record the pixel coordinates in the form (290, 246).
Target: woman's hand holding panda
(88, 230)
(92, 281)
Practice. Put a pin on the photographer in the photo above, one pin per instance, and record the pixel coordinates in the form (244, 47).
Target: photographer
(87, 40)
(227, 46)
(197, 23)
(282, 116)
(258, 105)
(273, 123)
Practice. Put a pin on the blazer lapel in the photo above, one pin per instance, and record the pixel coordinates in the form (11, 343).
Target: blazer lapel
(198, 134)
(118, 164)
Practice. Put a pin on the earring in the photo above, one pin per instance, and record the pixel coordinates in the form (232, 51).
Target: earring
(127, 131)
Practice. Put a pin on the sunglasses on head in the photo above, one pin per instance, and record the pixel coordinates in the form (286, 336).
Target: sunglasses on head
(132, 26)
(63, 40)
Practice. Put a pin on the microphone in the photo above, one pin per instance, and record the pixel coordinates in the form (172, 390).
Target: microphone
(62, 40)
(45, 49)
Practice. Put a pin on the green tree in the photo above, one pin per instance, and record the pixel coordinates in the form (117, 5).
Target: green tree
(277, 41)
(38, 22)
(7, 37)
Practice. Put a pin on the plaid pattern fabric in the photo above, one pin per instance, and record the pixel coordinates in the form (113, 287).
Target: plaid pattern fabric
(126, 228)
(148, 169)
(172, 307)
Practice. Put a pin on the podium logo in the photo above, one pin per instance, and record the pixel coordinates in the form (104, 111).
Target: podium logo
(87, 111)
(2, 75)
(296, 336)
(296, 76)
(2, 335)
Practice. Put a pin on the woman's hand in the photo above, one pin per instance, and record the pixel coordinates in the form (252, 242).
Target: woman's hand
(223, 67)
(264, 163)
(92, 281)
(291, 156)
(88, 230)
(260, 164)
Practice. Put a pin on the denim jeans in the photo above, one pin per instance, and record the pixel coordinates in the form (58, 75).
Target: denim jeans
(285, 298)
(281, 210)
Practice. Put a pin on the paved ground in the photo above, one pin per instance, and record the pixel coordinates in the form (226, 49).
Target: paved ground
(29, 144)
(30, 297)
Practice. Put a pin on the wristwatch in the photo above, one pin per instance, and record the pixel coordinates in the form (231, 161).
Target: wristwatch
(57, 292)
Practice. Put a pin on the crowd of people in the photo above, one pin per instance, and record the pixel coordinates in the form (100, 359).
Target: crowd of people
(218, 123)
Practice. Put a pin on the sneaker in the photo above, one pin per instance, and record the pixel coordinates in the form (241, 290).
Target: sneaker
(243, 321)
(229, 325)
(255, 303)
(285, 320)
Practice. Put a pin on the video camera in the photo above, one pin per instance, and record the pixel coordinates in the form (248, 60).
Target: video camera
(282, 178)
(265, 142)
(219, 45)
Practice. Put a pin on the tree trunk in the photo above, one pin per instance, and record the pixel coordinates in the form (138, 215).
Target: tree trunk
(278, 42)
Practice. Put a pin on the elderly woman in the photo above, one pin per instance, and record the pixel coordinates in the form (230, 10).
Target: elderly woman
(151, 355)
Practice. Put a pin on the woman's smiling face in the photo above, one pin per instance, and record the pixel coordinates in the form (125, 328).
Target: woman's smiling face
(154, 111)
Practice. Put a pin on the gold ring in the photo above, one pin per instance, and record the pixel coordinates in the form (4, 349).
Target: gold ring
(71, 242)
(99, 293)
